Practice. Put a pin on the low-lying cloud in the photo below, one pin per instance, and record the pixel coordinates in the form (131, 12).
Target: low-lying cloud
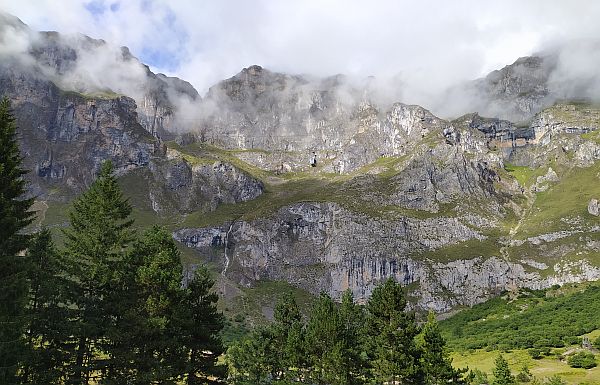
(415, 50)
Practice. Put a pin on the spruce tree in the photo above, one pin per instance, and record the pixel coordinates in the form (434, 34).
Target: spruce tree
(391, 335)
(14, 217)
(501, 372)
(156, 317)
(201, 325)
(435, 359)
(45, 314)
(165, 330)
(288, 331)
(325, 344)
(95, 245)
(352, 319)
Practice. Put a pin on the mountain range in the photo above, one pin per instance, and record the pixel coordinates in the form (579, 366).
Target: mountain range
(500, 193)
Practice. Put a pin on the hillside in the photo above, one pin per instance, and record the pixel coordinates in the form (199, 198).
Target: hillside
(530, 328)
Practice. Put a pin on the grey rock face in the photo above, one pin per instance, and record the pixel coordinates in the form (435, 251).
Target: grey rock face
(65, 136)
(517, 91)
(178, 187)
(91, 66)
(324, 247)
(259, 109)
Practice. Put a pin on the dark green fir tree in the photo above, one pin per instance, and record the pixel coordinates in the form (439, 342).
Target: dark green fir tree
(95, 246)
(46, 315)
(15, 215)
(391, 334)
(501, 372)
(435, 359)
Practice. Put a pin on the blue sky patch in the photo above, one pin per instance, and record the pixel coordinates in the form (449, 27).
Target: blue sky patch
(96, 7)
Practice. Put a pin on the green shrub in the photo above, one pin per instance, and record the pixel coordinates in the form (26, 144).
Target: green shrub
(477, 377)
(584, 360)
(535, 353)
(573, 340)
(524, 375)
(555, 380)
(545, 351)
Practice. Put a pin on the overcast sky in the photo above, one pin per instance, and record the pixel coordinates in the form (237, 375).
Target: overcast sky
(431, 43)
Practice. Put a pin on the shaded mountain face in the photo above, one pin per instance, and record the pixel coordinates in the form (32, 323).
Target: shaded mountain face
(92, 67)
(456, 210)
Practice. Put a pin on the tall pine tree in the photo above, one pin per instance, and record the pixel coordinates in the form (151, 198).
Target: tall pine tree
(352, 318)
(14, 217)
(165, 331)
(146, 344)
(95, 245)
(391, 330)
(288, 331)
(325, 344)
(45, 314)
(502, 374)
(436, 362)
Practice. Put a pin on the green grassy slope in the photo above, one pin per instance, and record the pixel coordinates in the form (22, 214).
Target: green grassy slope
(527, 319)
(553, 321)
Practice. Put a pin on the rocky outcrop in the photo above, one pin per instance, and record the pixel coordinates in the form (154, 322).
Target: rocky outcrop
(291, 115)
(176, 186)
(430, 179)
(323, 247)
(93, 67)
(65, 136)
(593, 207)
(517, 91)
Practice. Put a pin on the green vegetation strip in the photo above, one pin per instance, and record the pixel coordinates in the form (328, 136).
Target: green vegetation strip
(535, 319)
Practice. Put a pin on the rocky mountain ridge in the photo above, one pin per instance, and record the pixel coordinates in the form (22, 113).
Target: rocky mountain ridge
(457, 210)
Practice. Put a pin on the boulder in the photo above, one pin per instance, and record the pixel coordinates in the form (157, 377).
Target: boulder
(593, 207)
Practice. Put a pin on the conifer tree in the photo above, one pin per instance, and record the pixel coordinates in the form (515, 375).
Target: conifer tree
(95, 245)
(45, 314)
(391, 330)
(288, 331)
(253, 360)
(501, 372)
(352, 318)
(14, 217)
(165, 331)
(202, 323)
(159, 355)
(325, 344)
(435, 359)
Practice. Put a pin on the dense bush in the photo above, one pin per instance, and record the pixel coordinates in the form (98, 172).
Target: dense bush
(555, 380)
(535, 353)
(531, 323)
(582, 359)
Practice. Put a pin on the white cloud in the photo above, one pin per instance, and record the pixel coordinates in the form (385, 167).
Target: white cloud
(428, 44)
